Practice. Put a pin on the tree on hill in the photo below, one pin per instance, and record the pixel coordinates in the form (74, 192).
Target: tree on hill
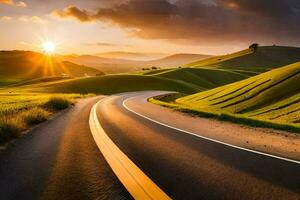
(254, 47)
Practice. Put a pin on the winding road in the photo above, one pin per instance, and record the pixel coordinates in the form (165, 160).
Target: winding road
(64, 158)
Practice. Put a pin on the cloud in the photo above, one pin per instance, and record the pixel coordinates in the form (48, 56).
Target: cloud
(194, 20)
(105, 44)
(10, 2)
(21, 4)
(72, 11)
(5, 18)
(33, 19)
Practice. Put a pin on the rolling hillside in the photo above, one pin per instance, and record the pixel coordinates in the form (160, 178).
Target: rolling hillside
(107, 65)
(204, 78)
(221, 70)
(23, 65)
(116, 65)
(109, 84)
(274, 96)
(264, 59)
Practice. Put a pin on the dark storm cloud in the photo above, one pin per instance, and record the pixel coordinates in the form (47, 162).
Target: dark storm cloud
(190, 20)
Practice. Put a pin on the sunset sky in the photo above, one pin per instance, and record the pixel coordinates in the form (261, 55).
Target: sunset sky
(167, 26)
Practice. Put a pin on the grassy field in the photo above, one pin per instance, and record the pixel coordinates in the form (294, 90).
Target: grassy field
(20, 111)
(247, 61)
(219, 59)
(202, 78)
(110, 84)
(205, 78)
(271, 97)
(221, 70)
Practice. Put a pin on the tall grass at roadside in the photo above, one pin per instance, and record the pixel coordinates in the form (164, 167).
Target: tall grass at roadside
(19, 112)
(58, 103)
(9, 128)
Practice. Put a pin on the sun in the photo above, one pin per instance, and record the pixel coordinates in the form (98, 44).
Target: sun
(49, 47)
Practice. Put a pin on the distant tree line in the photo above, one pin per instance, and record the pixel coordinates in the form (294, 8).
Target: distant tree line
(150, 68)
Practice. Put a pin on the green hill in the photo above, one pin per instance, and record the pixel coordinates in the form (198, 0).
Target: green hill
(110, 84)
(264, 59)
(273, 96)
(221, 70)
(204, 78)
(23, 65)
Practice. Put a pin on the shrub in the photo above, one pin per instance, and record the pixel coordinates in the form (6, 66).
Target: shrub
(35, 116)
(254, 47)
(58, 103)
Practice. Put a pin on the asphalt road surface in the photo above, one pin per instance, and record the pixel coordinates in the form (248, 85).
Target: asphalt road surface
(60, 160)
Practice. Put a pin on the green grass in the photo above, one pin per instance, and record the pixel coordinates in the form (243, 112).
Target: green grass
(251, 93)
(111, 84)
(272, 96)
(238, 119)
(219, 59)
(205, 78)
(35, 116)
(57, 103)
(264, 59)
(9, 81)
(9, 128)
(221, 70)
(20, 111)
(201, 78)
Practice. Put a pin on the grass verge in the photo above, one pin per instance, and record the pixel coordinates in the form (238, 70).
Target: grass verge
(28, 111)
(238, 119)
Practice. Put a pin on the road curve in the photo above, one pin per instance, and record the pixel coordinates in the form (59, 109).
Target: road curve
(59, 160)
(189, 167)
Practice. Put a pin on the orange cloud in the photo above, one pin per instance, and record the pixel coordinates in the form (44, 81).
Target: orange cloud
(74, 12)
(6, 18)
(10, 2)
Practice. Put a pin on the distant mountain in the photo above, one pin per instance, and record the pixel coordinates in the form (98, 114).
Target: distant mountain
(27, 64)
(132, 55)
(113, 65)
(178, 59)
(107, 65)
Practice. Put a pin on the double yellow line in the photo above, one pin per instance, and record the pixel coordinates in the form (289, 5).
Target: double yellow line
(138, 184)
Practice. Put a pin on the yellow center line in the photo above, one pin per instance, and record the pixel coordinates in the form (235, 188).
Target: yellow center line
(138, 184)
